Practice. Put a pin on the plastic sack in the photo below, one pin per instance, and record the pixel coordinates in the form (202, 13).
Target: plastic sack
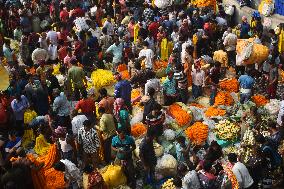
(114, 176)
(167, 165)
(249, 52)
(221, 56)
(273, 106)
(204, 101)
(266, 8)
(229, 10)
(169, 134)
(162, 4)
(137, 118)
(198, 113)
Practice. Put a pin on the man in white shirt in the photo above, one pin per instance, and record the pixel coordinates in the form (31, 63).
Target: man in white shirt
(230, 43)
(148, 54)
(52, 37)
(241, 172)
(198, 80)
(109, 26)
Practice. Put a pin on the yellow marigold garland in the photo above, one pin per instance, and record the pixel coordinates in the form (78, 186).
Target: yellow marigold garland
(197, 133)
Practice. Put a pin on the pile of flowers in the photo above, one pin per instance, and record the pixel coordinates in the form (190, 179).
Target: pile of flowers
(202, 3)
(179, 114)
(223, 98)
(197, 133)
(212, 112)
(138, 129)
(169, 184)
(247, 142)
(227, 130)
(121, 67)
(135, 96)
(259, 100)
(102, 78)
(160, 64)
(230, 85)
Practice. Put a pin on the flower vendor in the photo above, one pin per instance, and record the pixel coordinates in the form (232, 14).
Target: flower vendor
(246, 85)
(169, 89)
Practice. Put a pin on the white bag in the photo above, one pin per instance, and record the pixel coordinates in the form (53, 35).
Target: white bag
(162, 4)
(267, 9)
(81, 24)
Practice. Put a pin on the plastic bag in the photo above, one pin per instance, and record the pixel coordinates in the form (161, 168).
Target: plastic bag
(159, 150)
(138, 117)
(198, 113)
(229, 10)
(167, 165)
(114, 176)
(169, 134)
(162, 4)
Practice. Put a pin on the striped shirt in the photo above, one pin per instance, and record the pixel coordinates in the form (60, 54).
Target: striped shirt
(181, 79)
(89, 140)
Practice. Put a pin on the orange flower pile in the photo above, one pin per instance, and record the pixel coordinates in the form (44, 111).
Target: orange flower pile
(125, 74)
(121, 67)
(211, 112)
(230, 85)
(197, 133)
(259, 100)
(54, 179)
(160, 64)
(181, 116)
(223, 98)
(138, 129)
(196, 105)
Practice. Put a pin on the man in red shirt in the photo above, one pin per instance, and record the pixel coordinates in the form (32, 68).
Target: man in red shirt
(78, 12)
(153, 28)
(64, 14)
(87, 106)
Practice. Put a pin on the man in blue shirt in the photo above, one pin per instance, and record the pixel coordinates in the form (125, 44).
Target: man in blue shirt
(124, 145)
(92, 42)
(246, 84)
(122, 90)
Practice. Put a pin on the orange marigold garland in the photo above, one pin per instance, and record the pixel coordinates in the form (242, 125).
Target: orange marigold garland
(197, 133)
(231, 176)
(259, 100)
(180, 115)
(121, 67)
(223, 98)
(54, 179)
(212, 112)
(138, 129)
(230, 85)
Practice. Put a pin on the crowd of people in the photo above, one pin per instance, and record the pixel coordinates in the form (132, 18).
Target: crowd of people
(91, 128)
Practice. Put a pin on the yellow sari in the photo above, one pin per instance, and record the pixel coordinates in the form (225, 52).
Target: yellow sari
(164, 49)
(136, 31)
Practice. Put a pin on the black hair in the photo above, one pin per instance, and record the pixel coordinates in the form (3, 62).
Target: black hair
(150, 133)
(181, 139)
(88, 169)
(217, 64)
(260, 139)
(157, 106)
(207, 165)
(103, 92)
(151, 91)
(87, 123)
(145, 43)
(232, 157)
(59, 166)
(137, 65)
(272, 124)
(84, 94)
(120, 130)
(12, 133)
(179, 67)
(101, 110)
